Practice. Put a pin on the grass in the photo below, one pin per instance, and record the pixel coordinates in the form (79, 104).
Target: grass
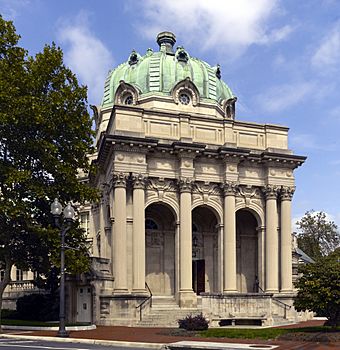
(266, 333)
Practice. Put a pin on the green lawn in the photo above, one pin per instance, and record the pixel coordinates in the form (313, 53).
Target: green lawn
(266, 333)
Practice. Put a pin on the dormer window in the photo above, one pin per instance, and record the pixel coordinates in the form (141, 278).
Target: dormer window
(184, 99)
(128, 99)
(182, 56)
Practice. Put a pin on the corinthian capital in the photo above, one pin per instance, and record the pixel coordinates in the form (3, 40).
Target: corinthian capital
(139, 181)
(270, 191)
(185, 184)
(286, 193)
(119, 179)
(229, 188)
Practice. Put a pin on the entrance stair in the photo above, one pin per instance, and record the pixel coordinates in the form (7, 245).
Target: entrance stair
(165, 312)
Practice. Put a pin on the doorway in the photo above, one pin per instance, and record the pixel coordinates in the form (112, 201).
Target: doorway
(84, 305)
(198, 276)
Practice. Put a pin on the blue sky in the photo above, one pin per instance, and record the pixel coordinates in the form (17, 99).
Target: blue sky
(280, 58)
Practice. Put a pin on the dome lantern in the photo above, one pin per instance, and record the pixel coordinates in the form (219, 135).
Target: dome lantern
(166, 41)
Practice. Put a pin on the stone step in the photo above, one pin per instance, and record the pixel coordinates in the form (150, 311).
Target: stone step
(165, 317)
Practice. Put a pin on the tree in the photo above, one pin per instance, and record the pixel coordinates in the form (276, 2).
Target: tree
(319, 288)
(45, 138)
(318, 236)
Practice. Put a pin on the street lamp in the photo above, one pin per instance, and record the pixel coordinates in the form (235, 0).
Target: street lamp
(64, 226)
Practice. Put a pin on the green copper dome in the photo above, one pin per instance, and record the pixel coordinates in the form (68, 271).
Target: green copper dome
(156, 73)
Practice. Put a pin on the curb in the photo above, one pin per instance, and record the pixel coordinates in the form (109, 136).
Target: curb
(32, 328)
(87, 341)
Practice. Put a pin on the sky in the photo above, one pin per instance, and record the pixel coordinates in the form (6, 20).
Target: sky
(280, 58)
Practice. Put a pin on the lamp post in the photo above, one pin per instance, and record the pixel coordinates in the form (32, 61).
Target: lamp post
(68, 214)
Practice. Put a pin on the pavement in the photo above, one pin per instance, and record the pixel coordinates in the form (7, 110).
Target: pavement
(157, 338)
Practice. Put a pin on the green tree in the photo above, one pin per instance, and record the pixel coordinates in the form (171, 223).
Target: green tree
(319, 288)
(45, 139)
(317, 236)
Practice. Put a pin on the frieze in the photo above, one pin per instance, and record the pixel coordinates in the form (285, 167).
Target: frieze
(286, 193)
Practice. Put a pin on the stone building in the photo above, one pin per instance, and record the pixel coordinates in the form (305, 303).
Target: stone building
(196, 205)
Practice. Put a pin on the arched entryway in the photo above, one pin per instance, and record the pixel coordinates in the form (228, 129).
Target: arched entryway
(160, 249)
(205, 274)
(246, 251)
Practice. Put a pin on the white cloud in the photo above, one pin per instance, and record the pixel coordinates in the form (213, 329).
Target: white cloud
(310, 142)
(86, 55)
(328, 53)
(233, 25)
(10, 9)
(282, 97)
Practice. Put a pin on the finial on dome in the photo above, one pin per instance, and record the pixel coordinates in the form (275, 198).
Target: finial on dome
(166, 41)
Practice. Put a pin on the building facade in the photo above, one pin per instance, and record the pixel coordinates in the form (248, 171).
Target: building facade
(196, 205)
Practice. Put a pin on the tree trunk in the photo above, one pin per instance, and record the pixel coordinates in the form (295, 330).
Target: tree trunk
(4, 283)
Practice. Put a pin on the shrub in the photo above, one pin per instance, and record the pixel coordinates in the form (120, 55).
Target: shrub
(38, 307)
(194, 323)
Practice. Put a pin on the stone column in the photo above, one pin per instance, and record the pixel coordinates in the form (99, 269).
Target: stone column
(187, 297)
(272, 240)
(261, 256)
(138, 240)
(286, 240)
(119, 234)
(229, 239)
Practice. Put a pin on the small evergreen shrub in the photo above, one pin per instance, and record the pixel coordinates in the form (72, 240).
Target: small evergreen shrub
(194, 323)
(38, 307)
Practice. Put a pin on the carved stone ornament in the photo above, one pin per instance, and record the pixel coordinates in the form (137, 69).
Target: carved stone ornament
(229, 188)
(161, 184)
(119, 179)
(206, 188)
(287, 193)
(249, 191)
(138, 181)
(185, 184)
(270, 191)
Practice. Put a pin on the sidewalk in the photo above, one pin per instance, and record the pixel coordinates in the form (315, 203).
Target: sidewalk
(152, 336)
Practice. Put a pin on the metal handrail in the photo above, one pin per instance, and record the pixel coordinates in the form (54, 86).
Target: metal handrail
(286, 306)
(149, 298)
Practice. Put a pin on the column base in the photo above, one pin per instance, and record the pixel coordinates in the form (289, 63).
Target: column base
(187, 299)
(272, 291)
(120, 291)
(229, 291)
(140, 291)
(286, 291)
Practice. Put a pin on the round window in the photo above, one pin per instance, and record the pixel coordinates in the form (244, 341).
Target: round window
(184, 99)
(128, 100)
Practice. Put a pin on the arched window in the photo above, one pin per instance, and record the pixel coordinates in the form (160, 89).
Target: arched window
(150, 225)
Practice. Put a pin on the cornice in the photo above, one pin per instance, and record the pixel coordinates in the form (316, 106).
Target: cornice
(108, 143)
